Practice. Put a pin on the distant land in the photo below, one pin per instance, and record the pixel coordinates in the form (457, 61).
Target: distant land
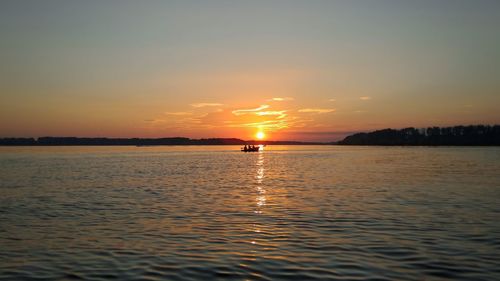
(63, 141)
(432, 136)
(480, 135)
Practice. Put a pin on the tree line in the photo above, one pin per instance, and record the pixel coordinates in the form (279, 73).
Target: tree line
(457, 135)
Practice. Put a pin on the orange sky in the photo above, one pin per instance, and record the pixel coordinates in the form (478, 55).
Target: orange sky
(296, 70)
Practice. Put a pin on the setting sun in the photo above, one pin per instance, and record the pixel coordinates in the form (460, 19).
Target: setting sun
(260, 135)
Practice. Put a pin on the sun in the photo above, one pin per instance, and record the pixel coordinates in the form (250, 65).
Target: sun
(260, 135)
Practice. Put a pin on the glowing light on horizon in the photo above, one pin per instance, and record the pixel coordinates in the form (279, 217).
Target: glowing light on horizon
(260, 135)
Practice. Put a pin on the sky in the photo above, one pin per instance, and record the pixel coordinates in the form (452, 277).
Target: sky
(295, 70)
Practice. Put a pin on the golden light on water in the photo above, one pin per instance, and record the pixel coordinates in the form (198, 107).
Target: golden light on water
(261, 192)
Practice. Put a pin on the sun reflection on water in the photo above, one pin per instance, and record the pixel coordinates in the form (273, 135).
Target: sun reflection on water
(260, 198)
(261, 192)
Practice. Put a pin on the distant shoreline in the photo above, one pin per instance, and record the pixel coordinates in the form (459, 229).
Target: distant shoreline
(178, 141)
(472, 135)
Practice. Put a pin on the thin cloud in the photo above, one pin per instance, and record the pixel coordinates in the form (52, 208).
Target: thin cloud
(269, 124)
(205, 104)
(317, 110)
(332, 100)
(246, 111)
(181, 113)
(281, 99)
(155, 121)
(279, 114)
(365, 98)
(263, 113)
(323, 132)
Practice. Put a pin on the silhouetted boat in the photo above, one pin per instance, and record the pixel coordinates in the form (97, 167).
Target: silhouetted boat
(250, 149)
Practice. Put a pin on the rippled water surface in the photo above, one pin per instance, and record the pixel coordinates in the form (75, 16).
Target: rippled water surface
(287, 213)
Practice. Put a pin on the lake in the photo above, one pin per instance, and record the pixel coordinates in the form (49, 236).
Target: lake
(286, 213)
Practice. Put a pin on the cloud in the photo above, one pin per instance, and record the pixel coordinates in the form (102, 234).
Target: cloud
(323, 132)
(181, 113)
(245, 111)
(279, 113)
(332, 100)
(155, 121)
(268, 124)
(263, 113)
(205, 104)
(365, 98)
(317, 110)
(281, 99)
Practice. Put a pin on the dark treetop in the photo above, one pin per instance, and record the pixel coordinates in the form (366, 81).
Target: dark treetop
(458, 135)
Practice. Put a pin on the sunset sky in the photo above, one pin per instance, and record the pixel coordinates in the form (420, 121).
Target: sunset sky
(296, 70)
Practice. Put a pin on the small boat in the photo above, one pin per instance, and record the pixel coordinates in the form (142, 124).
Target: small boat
(250, 148)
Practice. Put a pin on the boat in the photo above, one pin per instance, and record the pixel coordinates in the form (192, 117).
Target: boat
(250, 148)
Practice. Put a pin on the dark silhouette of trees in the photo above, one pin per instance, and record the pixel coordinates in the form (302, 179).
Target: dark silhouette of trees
(458, 135)
(17, 141)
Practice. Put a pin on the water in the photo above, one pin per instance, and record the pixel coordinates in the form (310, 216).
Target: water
(288, 213)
